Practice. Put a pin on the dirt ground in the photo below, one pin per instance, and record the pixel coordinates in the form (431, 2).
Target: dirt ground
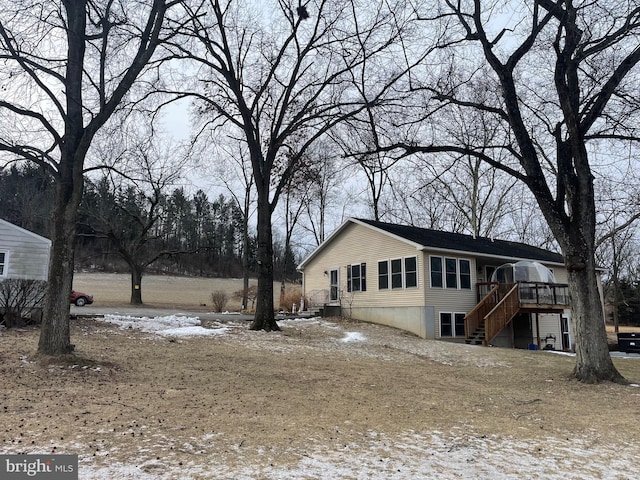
(263, 405)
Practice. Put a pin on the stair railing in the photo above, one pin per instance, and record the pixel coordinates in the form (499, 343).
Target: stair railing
(501, 314)
(475, 318)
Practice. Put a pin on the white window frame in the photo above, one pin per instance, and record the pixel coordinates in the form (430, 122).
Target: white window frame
(460, 260)
(362, 276)
(453, 324)
(402, 273)
(443, 273)
(334, 287)
(387, 275)
(4, 271)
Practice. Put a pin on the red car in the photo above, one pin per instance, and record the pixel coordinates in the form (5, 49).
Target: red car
(81, 299)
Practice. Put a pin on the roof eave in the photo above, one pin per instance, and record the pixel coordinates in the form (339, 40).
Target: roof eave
(488, 255)
(344, 225)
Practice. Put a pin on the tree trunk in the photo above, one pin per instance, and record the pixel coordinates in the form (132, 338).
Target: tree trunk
(55, 337)
(136, 285)
(264, 318)
(245, 253)
(593, 361)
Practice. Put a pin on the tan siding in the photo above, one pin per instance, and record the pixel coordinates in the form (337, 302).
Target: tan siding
(559, 272)
(358, 244)
(448, 299)
(549, 326)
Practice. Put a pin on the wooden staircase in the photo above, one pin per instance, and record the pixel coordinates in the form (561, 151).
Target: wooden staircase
(477, 337)
(491, 315)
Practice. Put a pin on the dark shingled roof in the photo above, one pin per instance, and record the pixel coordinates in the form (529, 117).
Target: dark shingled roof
(466, 243)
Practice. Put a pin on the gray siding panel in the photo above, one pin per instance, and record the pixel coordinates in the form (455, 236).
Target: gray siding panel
(26, 254)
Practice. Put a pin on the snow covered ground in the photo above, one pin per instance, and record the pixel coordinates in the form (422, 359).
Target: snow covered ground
(412, 456)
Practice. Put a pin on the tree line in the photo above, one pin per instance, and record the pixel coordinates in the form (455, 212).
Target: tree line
(123, 228)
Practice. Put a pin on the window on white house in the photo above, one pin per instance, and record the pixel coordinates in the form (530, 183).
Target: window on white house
(396, 273)
(357, 277)
(451, 273)
(465, 274)
(383, 275)
(403, 273)
(3, 264)
(451, 324)
(436, 272)
(410, 272)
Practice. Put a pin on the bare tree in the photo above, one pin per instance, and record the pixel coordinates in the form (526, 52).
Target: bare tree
(617, 240)
(279, 74)
(127, 210)
(565, 80)
(67, 67)
(357, 141)
(327, 178)
(459, 194)
(233, 171)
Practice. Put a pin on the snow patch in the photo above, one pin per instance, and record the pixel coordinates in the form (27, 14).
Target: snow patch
(353, 337)
(168, 326)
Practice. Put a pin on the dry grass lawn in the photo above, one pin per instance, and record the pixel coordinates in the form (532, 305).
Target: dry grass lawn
(303, 403)
(111, 289)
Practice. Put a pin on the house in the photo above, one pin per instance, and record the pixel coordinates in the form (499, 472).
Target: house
(438, 285)
(23, 254)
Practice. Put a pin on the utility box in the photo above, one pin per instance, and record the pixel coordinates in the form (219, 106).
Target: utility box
(629, 342)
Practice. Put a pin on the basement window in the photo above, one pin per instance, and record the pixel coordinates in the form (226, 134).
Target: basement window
(451, 324)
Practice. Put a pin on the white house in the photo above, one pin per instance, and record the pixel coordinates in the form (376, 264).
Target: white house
(23, 254)
(438, 285)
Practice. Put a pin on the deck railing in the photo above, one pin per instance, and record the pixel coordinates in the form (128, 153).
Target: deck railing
(318, 298)
(499, 303)
(544, 293)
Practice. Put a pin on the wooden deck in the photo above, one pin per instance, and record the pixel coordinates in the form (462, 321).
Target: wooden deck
(500, 303)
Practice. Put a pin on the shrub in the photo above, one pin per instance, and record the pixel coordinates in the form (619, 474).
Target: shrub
(251, 292)
(219, 300)
(292, 295)
(21, 300)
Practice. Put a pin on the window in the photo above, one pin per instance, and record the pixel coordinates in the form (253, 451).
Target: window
(446, 329)
(403, 273)
(488, 272)
(451, 324)
(450, 272)
(465, 274)
(396, 273)
(436, 272)
(459, 324)
(410, 272)
(356, 277)
(383, 275)
(3, 264)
